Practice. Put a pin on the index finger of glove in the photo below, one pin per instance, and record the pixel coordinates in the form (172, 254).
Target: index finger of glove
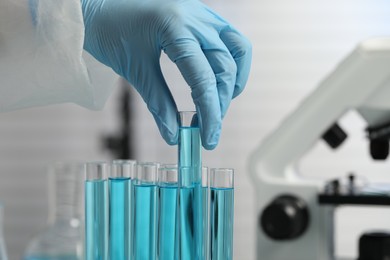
(196, 70)
(241, 50)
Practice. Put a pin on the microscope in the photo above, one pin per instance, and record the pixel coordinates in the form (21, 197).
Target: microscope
(295, 215)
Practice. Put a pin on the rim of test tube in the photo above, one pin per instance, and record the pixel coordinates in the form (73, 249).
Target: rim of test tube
(188, 119)
(68, 166)
(222, 178)
(96, 170)
(123, 169)
(168, 173)
(146, 172)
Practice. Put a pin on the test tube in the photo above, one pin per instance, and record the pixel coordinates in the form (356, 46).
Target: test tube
(145, 211)
(190, 221)
(189, 142)
(205, 211)
(96, 211)
(120, 186)
(167, 197)
(221, 214)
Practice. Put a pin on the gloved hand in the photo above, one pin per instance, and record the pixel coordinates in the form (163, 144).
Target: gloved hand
(214, 59)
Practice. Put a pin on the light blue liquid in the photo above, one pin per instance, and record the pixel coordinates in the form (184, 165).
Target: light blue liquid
(167, 194)
(191, 235)
(96, 220)
(221, 223)
(64, 257)
(205, 226)
(190, 149)
(120, 218)
(190, 240)
(145, 216)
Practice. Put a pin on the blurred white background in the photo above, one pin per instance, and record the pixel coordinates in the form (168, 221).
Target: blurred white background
(295, 44)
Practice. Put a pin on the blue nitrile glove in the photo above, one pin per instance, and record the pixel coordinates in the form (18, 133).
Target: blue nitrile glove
(214, 58)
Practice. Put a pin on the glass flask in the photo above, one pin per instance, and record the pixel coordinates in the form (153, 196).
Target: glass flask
(63, 237)
(3, 251)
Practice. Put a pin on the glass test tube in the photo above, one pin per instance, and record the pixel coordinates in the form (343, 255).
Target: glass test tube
(190, 192)
(96, 211)
(120, 186)
(167, 197)
(205, 210)
(145, 212)
(221, 214)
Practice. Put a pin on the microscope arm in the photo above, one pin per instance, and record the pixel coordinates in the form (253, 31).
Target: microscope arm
(355, 81)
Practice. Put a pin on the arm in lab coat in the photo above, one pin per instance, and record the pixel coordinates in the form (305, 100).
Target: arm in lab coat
(41, 63)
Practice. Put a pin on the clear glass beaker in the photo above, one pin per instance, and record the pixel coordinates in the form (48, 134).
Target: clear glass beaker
(63, 237)
(221, 213)
(3, 251)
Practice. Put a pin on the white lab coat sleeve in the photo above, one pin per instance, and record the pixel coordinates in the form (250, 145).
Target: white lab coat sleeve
(42, 60)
